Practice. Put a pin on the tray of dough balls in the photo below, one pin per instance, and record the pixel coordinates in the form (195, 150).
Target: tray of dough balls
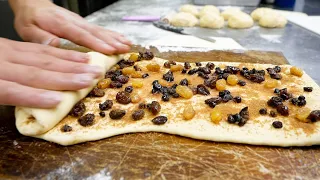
(212, 17)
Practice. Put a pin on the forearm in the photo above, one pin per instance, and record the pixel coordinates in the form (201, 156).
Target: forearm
(18, 4)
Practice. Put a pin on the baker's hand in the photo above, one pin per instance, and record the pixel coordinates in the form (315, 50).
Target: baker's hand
(43, 22)
(30, 72)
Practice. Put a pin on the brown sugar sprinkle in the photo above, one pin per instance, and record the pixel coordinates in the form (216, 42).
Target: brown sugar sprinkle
(86, 120)
(66, 128)
(78, 109)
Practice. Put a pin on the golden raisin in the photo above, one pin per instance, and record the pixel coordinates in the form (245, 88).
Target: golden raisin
(296, 71)
(303, 114)
(188, 112)
(135, 97)
(137, 74)
(154, 67)
(271, 83)
(137, 83)
(175, 68)
(128, 70)
(216, 116)
(134, 57)
(232, 80)
(184, 91)
(221, 85)
(104, 83)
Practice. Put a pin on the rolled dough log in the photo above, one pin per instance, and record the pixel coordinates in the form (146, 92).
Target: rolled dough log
(34, 121)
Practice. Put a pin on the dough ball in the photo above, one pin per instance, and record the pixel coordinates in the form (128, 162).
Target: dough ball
(211, 20)
(230, 12)
(260, 12)
(208, 9)
(183, 19)
(240, 21)
(188, 8)
(273, 20)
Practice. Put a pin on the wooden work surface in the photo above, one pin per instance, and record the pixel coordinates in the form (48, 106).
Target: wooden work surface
(154, 155)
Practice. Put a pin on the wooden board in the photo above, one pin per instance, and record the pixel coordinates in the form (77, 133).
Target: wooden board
(154, 155)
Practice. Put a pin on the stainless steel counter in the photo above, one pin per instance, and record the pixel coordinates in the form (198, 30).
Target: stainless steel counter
(300, 46)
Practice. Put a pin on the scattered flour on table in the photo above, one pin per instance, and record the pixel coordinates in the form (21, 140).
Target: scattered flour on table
(272, 38)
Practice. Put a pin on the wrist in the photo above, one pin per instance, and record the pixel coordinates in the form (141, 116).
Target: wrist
(16, 5)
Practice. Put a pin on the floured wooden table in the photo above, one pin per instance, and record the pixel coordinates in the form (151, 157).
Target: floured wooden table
(155, 155)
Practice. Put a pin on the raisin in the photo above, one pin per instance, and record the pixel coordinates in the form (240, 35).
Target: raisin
(223, 93)
(171, 90)
(102, 114)
(145, 75)
(233, 70)
(210, 65)
(164, 90)
(106, 105)
(276, 91)
(212, 102)
(277, 69)
(236, 117)
(125, 63)
(283, 93)
(283, 110)
(218, 70)
(66, 128)
(128, 89)
(276, 76)
(230, 119)
(117, 114)
(78, 109)
(175, 95)
(96, 92)
(187, 65)
(184, 82)
(192, 71)
(263, 111)
(256, 78)
(123, 97)
(241, 83)
(137, 68)
(122, 79)
(314, 116)
(198, 64)
(308, 89)
(244, 113)
(302, 102)
(227, 98)
(168, 76)
(271, 71)
(169, 63)
(109, 74)
(301, 98)
(138, 114)
(159, 120)
(211, 83)
(273, 113)
(201, 89)
(225, 75)
(165, 97)
(86, 120)
(156, 85)
(275, 101)
(277, 124)
(142, 106)
(154, 107)
(184, 71)
(116, 84)
(237, 99)
(148, 55)
(205, 70)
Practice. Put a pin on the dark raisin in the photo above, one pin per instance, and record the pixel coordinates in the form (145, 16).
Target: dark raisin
(123, 97)
(128, 89)
(205, 70)
(218, 70)
(192, 71)
(275, 101)
(277, 124)
(102, 114)
(314, 115)
(171, 90)
(294, 101)
(184, 71)
(159, 120)
(142, 106)
(115, 84)
(302, 102)
(66, 128)
(156, 85)
(164, 90)
(187, 65)
(276, 76)
(145, 75)
(169, 63)
(117, 114)
(184, 82)
(138, 114)
(234, 70)
(283, 93)
(277, 69)
(237, 117)
(203, 75)
(273, 113)
(174, 85)
(148, 55)
(165, 97)
(211, 83)
(106, 105)
(122, 79)
(168, 76)
(242, 83)
(137, 68)
(154, 107)
(198, 64)
(263, 111)
(210, 65)
(308, 89)
(86, 120)
(225, 75)
(201, 89)
(271, 71)
(175, 95)
(283, 110)
(109, 73)
(227, 98)
(230, 119)
(96, 92)
(237, 99)
(301, 98)
(223, 93)
(244, 113)
(276, 91)
(78, 109)
(212, 102)
(256, 78)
